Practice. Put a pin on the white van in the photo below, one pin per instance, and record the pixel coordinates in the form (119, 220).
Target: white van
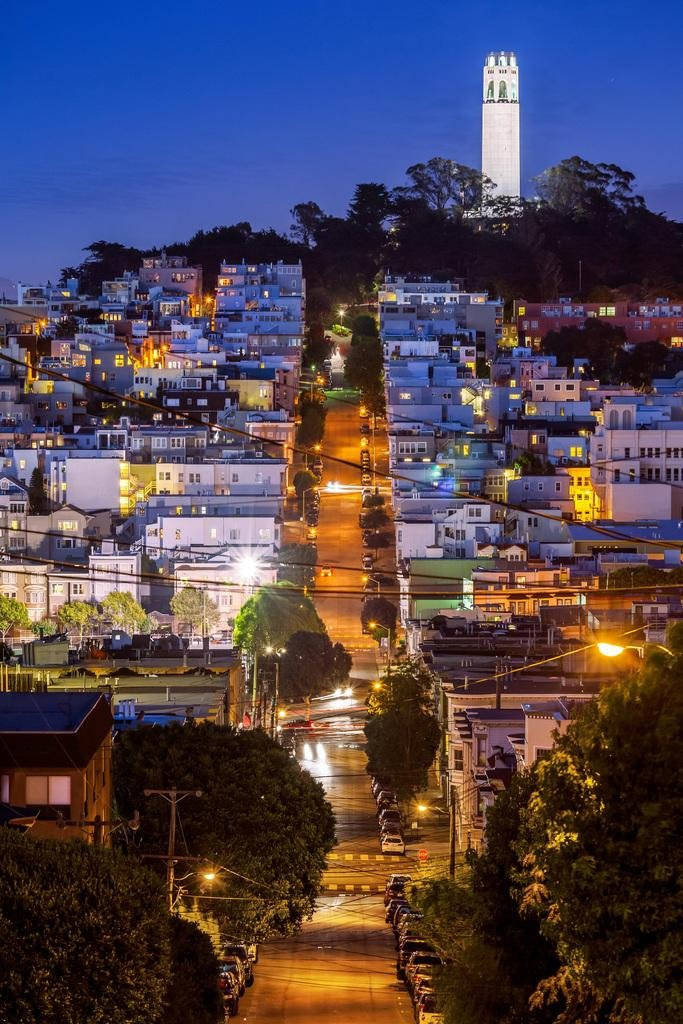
(392, 844)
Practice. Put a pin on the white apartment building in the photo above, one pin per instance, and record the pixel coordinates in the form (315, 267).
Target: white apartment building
(183, 535)
(112, 570)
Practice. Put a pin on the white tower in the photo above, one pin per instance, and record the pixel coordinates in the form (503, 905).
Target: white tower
(500, 123)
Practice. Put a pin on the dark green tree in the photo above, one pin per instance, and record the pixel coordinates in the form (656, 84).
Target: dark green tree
(260, 816)
(379, 609)
(193, 993)
(402, 730)
(85, 935)
(311, 665)
(496, 954)
(297, 564)
(601, 846)
(308, 219)
(38, 502)
(311, 429)
(272, 615)
(304, 480)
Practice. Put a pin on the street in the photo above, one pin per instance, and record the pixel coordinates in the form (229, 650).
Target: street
(338, 597)
(341, 965)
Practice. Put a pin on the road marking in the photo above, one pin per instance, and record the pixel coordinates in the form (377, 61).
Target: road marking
(363, 890)
(378, 858)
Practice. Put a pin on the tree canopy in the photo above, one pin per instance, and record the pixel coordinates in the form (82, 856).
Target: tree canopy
(583, 212)
(312, 665)
(272, 615)
(85, 935)
(124, 612)
(195, 609)
(38, 501)
(13, 615)
(401, 729)
(77, 615)
(297, 564)
(571, 913)
(260, 816)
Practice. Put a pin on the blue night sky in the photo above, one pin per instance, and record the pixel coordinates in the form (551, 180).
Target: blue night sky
(141, 122)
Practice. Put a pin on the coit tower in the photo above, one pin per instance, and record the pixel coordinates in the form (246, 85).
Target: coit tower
(500, 123)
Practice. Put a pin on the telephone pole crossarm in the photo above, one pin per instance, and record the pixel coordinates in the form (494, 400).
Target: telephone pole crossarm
(173, 797)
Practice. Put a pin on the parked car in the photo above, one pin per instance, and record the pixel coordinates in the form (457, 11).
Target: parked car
(392, 907)
(365, 428)
(377, 784)
(229, 986)
(426, 1011)
(241, 951)
(392, 844)
(390, 816)
(385, 794)
(366, 477)
(367, 561)
(398, 879)
(234, 964)
(405, 950)
(418, 960)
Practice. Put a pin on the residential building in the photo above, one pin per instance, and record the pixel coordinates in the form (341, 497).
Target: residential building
(661, 320)
(55, 764)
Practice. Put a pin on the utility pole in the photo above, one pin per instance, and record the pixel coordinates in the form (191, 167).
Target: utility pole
(173, 797)
(451, 837)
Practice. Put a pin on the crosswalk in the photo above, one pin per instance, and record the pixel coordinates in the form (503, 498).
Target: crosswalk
(360, 890)
(375, 858)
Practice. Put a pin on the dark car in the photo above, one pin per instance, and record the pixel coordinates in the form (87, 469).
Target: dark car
(390, 816)
(364, 428)
(392, 907)
(242, 953)
(230, 989)
(406, 949)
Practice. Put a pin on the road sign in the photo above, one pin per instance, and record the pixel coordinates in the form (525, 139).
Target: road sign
(422, 855)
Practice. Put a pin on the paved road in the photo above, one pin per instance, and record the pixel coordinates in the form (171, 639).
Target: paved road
(338, 597)
(341, 966)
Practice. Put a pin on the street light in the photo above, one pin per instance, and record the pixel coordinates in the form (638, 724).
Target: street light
(274, 713)
(615, 650)
(248, 568)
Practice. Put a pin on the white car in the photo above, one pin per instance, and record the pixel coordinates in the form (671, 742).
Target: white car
(392, 844)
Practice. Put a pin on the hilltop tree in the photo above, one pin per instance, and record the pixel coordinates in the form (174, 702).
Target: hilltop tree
(445, 185)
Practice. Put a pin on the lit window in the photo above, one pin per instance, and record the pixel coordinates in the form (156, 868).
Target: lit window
(54, 790)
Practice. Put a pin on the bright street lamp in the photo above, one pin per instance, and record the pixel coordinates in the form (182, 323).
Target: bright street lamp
(615, 650)
(248, 568)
